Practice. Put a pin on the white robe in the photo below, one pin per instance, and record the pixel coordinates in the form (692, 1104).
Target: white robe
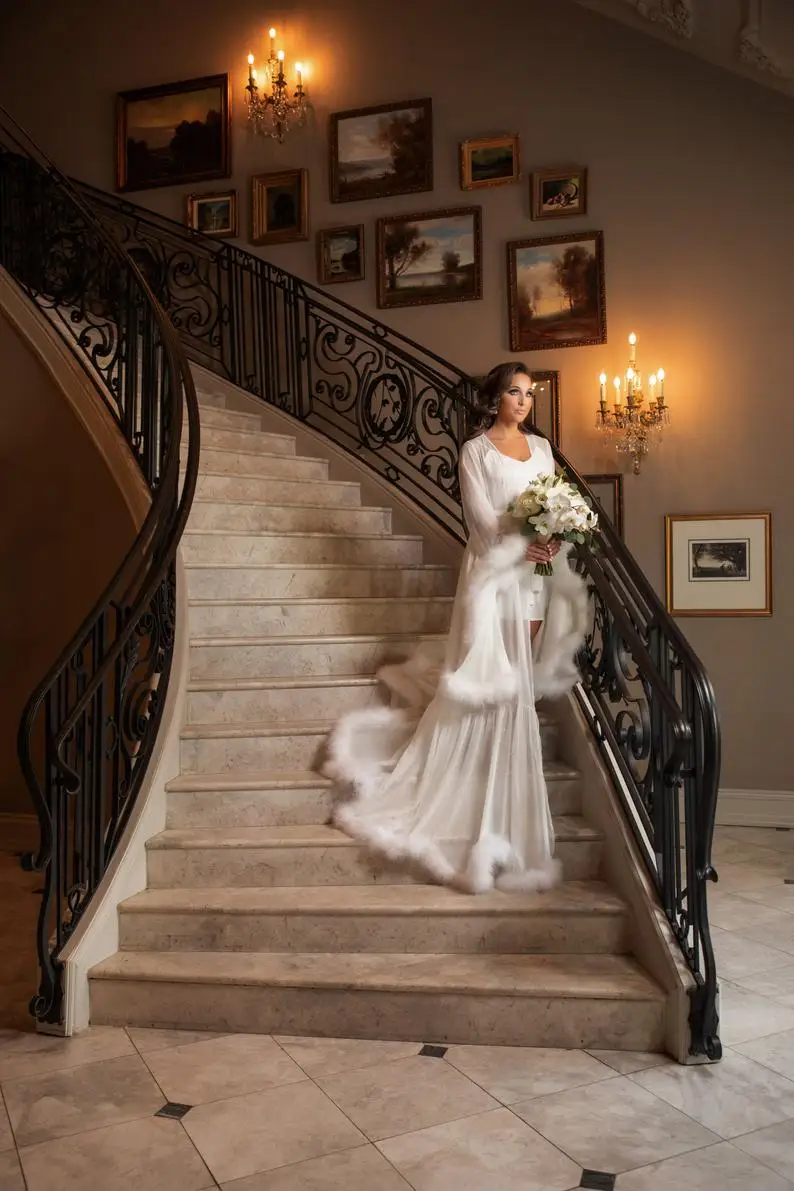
(452, 781)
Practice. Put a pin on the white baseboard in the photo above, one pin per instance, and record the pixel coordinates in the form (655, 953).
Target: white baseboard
(755, 808)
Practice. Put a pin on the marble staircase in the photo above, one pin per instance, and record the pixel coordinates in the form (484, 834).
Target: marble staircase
(258, 916)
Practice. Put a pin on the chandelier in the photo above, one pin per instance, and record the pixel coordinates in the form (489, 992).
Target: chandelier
(278, 109)
(631, 426)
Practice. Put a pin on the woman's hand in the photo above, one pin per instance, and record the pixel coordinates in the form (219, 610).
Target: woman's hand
(542, 550)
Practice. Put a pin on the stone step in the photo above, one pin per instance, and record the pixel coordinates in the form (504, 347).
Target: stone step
(320, 581)
(233, 702)
(210, 400)
(229, 419)
(273, 799)
(258, 442)
(259, 516)
(301, 656)
(271, 489)
(297, 744)
(271, 618)
(255, 463)
(219, 545)
(227, 857)
(578, 917)
(566, 1001)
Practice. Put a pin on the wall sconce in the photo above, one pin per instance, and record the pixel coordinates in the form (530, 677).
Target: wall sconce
(631, 428)
(277, 110)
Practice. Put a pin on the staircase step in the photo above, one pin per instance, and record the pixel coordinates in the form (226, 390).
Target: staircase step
(255, 463)
(225, 701)
(238, 547)
(272, 617)
(229, 419)
(209, 400)
(256, 441)
(583, 917)
(229, 857)
(282, 657)
(261, 516)
(292, 744)
(568, 1001)
(272, 799)
(332, 493)
(318, 581)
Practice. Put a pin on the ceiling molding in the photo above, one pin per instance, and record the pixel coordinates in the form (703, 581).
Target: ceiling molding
(676, 15)
(751, 49)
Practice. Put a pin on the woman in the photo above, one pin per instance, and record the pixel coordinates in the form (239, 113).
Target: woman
(454, 780)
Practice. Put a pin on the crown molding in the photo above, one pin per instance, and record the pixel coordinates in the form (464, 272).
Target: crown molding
(751, 49)
(676, 15)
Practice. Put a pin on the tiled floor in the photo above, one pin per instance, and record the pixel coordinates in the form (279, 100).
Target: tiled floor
(285, 1114)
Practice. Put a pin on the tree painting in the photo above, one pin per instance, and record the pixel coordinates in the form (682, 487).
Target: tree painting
(382, 151)
(174, 135)
(434, 257)
(556, 292)
(402, 248)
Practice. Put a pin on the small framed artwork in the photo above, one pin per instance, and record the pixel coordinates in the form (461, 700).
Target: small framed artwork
(382, 151)
(279, 207)
(556, 291)
(719, 564)
(174, 134)
(546, 405)
(434, 256)
(608, 491)
(560, 192)
(340, 254)
(212, 214)
(492, 161)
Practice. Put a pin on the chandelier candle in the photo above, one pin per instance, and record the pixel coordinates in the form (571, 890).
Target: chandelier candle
(634, 429)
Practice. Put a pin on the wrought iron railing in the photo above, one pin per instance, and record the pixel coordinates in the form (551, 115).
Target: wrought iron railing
(404, 411)
(89, 729)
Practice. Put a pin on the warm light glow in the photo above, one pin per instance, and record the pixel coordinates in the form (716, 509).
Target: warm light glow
(250, 59)
(630, 374)
(632, 339)
(616, 383)
(603, 378)
(660, 373)
(272, 33)
(652, 379)
(280, 55)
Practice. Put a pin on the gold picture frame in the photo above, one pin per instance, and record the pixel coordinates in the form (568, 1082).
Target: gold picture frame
(541, 307)
(405, 242)
(489, 161)
(340, 254)
(718, 564)
(280, 207)
(212, 214)
(382, 151)
(559, 193)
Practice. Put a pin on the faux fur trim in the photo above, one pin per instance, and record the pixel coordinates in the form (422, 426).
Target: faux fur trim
(478, 694)
(348, 762)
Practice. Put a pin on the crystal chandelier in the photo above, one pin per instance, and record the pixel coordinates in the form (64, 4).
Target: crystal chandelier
(631, 426)
(277, 110)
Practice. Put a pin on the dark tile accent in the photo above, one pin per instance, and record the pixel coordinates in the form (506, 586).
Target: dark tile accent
(788, 880)
(782, 829)
(173, 1112)
(433, 1052)
(598, 1180)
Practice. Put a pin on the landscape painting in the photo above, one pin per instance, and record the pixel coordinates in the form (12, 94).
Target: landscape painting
(382, 151)
(340, 254)
(718, 564)
(556, 292)
(213, 214)
(716, 560)
(489, 162)
(173, 134)
(435, 256)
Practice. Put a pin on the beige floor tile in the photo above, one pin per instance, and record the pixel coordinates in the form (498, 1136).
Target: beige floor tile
(775, 1051)
(718, 1168)
(614, 1125)
(731, 911)
(22, 1055)
(746, 1015)
(481, 1153)
(780, 937)
(147, 1155)
(511, 1073)
(10, 1172)
(773, 1146)
(743, 851)
(738, 956)
(760, 837)
(776, 984)
(625, 1062)
(406, 1095)
(329, 1056)
(145, 1039)
(226, 1066)
(6, 1136)
(736, 878)
(266, 1130)
(730, 1098)
(87, 1097)
(362, 1169)
(775, 897)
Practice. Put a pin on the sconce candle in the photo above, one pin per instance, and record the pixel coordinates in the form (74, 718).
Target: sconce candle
(602, 380)
(250, 68)
(632, 348)
(660, 375)
(616, 383)
(634, 428)
(272, 36)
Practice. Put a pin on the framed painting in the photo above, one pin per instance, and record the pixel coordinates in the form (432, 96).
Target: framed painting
(559, 193)
(556, 293)
(719, 564)
(212, 214)
(433, 256)
(174, 134)
(280, 207)
(492, 161)
(608, 491)
(546, 405)
(340, 254)
(382, 151)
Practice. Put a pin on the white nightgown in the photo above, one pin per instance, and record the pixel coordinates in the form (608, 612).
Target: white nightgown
(454, 782)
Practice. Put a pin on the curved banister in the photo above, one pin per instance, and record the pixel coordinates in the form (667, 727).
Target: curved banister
(101, 702)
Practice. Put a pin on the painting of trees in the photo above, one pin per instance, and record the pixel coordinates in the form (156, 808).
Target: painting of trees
(557, 291)
(382, 151)
(402, 248)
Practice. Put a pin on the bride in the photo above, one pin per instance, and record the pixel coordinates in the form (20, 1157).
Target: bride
(449, 778)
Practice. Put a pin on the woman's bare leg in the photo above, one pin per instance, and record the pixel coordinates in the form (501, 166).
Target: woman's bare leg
(534, 628)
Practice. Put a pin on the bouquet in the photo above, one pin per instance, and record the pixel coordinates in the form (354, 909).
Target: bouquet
(549, 508)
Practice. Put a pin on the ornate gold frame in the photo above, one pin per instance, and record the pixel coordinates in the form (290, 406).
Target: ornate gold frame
(672, 518)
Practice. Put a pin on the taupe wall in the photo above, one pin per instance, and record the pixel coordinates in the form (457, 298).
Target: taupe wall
(691, 174)
(65, 527)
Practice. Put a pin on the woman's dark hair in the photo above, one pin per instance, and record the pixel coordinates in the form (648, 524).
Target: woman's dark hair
(492, 389)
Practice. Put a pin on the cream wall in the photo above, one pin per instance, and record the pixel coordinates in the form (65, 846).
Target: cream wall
(691, 178)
